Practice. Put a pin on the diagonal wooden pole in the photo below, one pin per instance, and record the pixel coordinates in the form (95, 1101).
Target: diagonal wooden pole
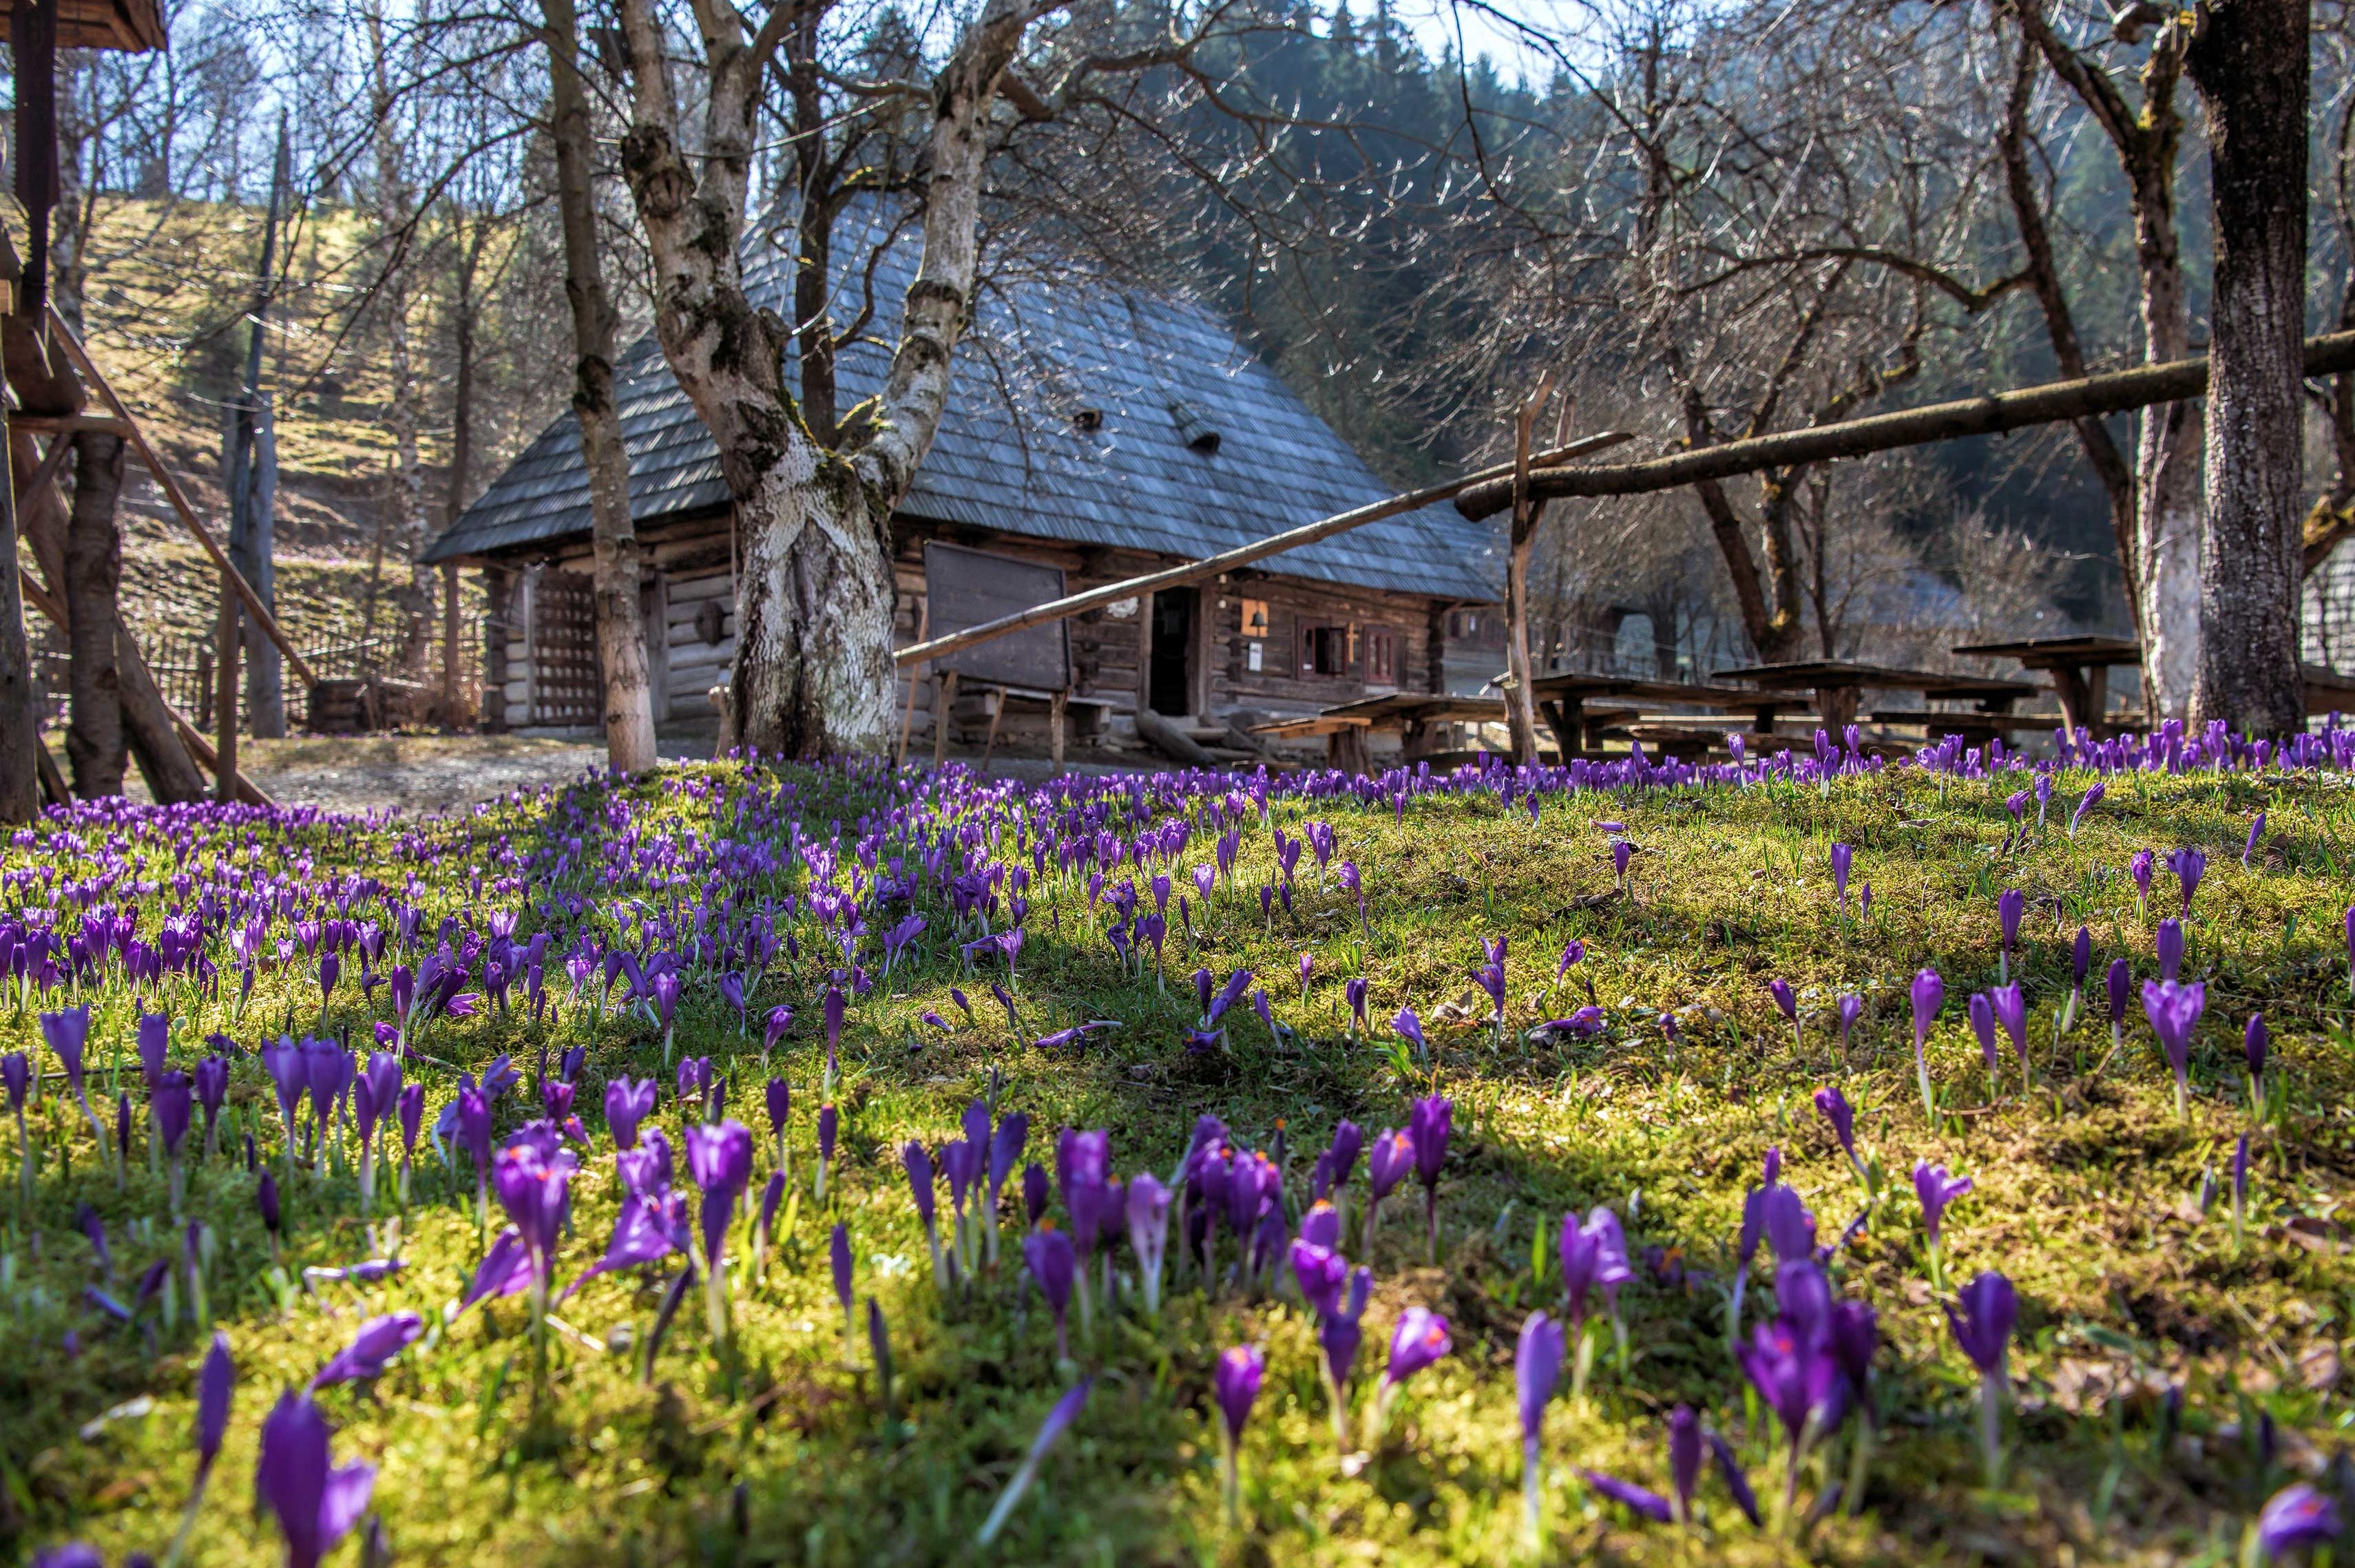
(170, 485)
(1063, 609)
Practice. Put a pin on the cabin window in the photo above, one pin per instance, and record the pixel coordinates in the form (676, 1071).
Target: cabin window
(1327, 650)
(1382, 656)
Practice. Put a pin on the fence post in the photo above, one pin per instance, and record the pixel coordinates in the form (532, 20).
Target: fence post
(204, 687)
(225, 693)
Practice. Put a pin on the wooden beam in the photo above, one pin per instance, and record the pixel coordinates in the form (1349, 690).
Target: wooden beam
(179, 500)
(67, 424)
(1073, 604)
(1989, 414)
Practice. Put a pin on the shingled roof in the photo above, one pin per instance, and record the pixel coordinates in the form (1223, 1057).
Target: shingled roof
(1199, 448)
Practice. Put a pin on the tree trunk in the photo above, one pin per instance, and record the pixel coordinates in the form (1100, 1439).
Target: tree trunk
(94, 743)
(814, 669)
(404, 529)
(619, 565)
(20, 737)
(2250, 61)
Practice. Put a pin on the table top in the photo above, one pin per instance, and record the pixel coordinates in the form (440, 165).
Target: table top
(1833, 674)
(2038, 653)
(1582, 684)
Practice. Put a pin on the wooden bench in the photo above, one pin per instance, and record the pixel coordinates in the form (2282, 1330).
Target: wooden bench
(967, 703)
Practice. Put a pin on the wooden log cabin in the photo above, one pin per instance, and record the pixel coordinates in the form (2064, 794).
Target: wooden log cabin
(1091, 434)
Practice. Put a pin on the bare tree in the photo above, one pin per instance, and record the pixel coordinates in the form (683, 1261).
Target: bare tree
(2157, 514)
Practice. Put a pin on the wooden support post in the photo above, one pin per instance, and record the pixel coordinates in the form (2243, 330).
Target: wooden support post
(21, 775)
(944, 687)
(204, 689)
(908, 720)
(450, 712)
(997, 716)
(224, 640)
(1055, 708)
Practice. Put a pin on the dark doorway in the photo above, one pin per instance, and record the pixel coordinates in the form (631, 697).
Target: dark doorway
(1173, 610)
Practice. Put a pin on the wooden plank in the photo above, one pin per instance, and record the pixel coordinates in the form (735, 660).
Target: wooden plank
(66, 424)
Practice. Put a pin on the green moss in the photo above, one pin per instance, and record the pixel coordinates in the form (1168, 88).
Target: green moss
(2084, 1197)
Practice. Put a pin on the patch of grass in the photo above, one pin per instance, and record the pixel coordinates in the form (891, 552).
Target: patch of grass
(2086, 1185)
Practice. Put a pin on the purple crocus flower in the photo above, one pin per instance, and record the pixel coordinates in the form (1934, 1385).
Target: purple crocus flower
(1982, 1322)
(372, 1349)
(2009, 905)
(154, 1039)
(1799, 1380)
(1389, 1158)
(315, 1501)
(1430, 1120)
(67, 1031)
(2295, 1518)
(172, 1102)
(1235, 1384)
(1641, 1502)
(1418, 1339)
(1036, 1193)
(1053, 1267)
(1929, 995)
(919, 1166)
(1058, 1420)
(627, 1103)
(1322, 1274)
(216, 1382)
(1594, 1255)
(1843, 857)
(780, 1020)
(1834, 1107)
(2169, 942)
(1684, 1459)
(2092, 798)
(2253, 1042)
(2256, 831)
(719, 1158)
(829, 1126)
(1148, 1232)
(2012, 1011)
(2189, 865)
(2174, 1013)
(1982, 1015)
(837, 1255)
(2139, 868)
(1936, 1190)
(1354, 991)
(1410, 1028)
(1850, 1008)
(1537, 1367)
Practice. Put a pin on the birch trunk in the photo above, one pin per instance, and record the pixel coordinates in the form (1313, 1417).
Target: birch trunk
(2250, 61)
(618, 563)
(813, 674)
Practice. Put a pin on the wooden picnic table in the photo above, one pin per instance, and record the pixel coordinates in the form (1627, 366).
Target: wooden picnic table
(2080, 668)
(1561, 700)
(1836, 683)
(1415, 714)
